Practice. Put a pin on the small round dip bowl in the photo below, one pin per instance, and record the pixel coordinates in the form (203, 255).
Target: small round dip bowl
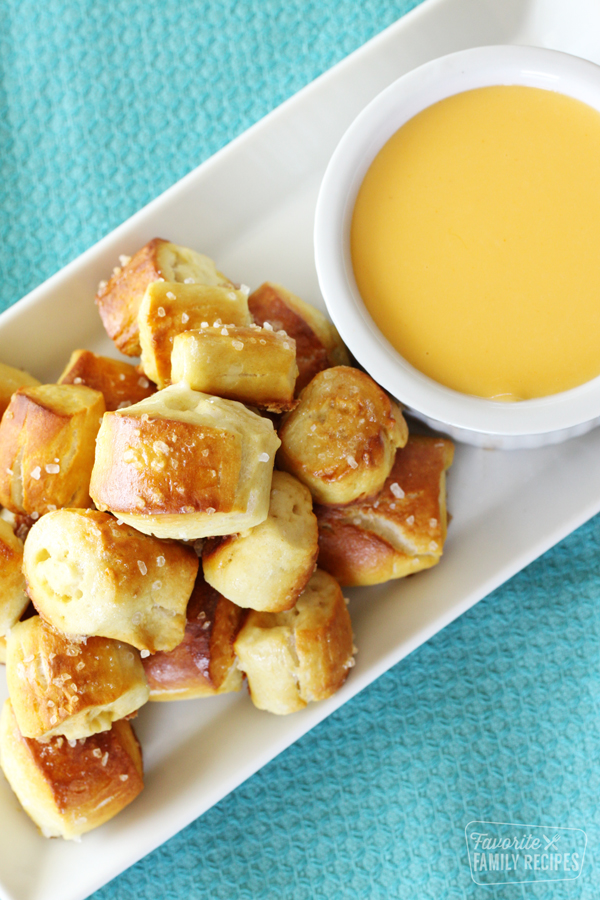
(474, 420)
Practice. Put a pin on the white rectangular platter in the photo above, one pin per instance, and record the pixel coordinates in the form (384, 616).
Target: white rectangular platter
(251, 207)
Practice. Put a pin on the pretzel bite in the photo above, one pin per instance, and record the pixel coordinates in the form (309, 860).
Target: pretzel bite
(13, 598)
(342, 437)
(168, 309)
(250, 364)
(47, 444)
(318, 344)
(89, 575)
(10, 381)
(304, 654)
(120, 383)
(70, 787)
(400, 532)
(268, 567)
(119, 299)
(204, 663)
(59, 686)
(185, 465)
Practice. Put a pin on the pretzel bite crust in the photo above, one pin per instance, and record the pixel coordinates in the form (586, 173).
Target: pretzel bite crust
(68, 788)
(400, 532)
(120, 383)
(119, 299)
(249, 364)
(185, 465)
(13, 597)
(304, 654)
(204, 663)
(341, 439)
(58, 686)
(89, 575)
(318, 344)
(268, 567)
(47, 445)
(169, 309)
(11, 380)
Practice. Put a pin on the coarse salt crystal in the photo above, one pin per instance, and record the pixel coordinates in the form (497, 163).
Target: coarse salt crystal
(185, 318)
(52, 469)
(117, 270)
(352, 462)
(231, 295)
(433, 523)
(264, 457)
(144, 653)
(35, 473)
(80, 665)
(121, 377)
(188, 280)
(433, 546)
(244, 289)
(97, 752)
(51, 507)
(237, 345)
(203, 324)
(161, 312)
(78, 380)
(217, 323)
(224, 332)
(105, 759)
(142, 567)
(119, 521)
(35, 516)
(286, 346)
(125, 777)
(124, 260)
(160, 561)
(143, 382)
(9, 472)
(124, 404)
(102, 284)
(396, 490)
(210, 510)
(72, 743)
(410, 520)
(267, 326)
(156, 585)
(171, 295)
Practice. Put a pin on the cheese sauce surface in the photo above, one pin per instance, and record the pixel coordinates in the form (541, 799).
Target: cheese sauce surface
(476, 242)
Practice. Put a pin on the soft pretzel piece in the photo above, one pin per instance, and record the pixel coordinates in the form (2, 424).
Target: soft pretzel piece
(398, 533)
(120, 383)
(70, 787)
(47, 444)
(159, 260)
(13, 597)
(318, 344)
(12, 379)
(268, 567)
(89, 575)
(168, 309)
(204, 663)
(342, 437)
(59, 686)
(185, 465)
(250, 364)
(304, 654)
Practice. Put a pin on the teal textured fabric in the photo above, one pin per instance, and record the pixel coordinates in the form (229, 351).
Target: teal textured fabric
(103, 106)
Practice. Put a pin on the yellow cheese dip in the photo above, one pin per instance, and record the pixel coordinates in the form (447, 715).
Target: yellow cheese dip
(476, 242)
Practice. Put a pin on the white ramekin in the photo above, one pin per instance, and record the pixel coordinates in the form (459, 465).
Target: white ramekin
(487, 423)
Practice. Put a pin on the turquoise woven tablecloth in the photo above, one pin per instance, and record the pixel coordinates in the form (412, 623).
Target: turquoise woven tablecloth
(103, 106)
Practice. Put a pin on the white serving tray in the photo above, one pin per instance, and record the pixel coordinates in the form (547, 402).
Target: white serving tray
(251, 207)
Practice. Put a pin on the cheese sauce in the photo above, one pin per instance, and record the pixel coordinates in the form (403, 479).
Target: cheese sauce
(476, 242)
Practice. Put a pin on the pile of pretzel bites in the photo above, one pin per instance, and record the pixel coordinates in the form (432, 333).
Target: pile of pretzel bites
(173, 528)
